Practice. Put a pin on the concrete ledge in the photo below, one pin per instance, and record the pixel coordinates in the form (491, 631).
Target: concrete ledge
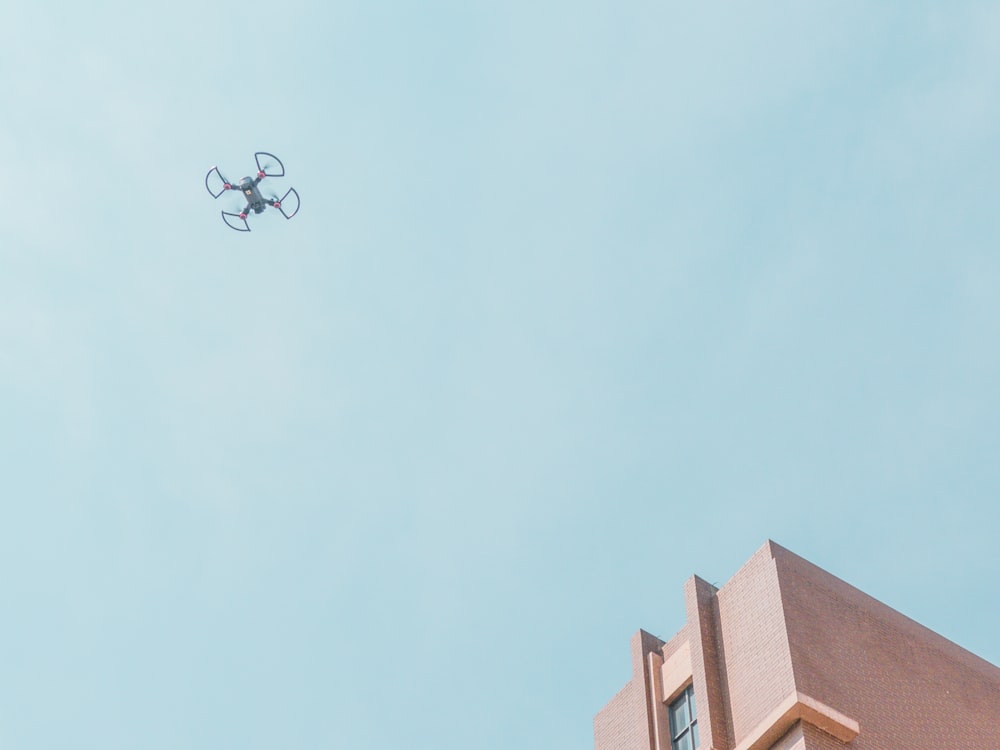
(676, 673)
(799, 707)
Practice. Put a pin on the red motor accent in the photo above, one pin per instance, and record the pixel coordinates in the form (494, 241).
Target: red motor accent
(243, 216)
(277, 204)
(261, 175)
(227, 186)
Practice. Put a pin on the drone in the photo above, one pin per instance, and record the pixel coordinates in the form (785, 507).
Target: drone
(256, 201)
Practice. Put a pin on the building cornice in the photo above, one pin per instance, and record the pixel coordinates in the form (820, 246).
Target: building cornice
(799, 707)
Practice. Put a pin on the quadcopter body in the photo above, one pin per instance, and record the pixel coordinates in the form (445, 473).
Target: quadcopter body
(256, 201)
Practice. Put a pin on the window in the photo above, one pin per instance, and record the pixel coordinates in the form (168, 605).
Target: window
(684, 721)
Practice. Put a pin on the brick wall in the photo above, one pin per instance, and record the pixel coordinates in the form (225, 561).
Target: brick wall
(626, 723)
(621, 724)
(757, 664)
(907, 686)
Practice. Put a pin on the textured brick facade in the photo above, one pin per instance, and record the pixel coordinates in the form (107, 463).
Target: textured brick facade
(786, 656)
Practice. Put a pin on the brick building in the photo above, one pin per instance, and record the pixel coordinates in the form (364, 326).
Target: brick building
(786, 656)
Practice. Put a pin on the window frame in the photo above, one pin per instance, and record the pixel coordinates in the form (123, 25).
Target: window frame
(686, 701)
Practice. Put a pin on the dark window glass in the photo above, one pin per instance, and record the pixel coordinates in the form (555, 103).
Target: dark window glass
(684, 721)
(679, 714)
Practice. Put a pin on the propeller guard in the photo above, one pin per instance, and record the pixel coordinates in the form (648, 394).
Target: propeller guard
(283, 199)
(222, 182)
(270, 158)
(231, 219)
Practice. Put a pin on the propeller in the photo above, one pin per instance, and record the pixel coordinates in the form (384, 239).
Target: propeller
(265, 170)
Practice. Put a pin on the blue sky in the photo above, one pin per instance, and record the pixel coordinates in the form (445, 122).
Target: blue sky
(583, 298)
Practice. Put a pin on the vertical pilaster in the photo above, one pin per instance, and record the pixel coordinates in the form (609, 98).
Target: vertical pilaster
(657, 709)
(645, 647)
(707, 665)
